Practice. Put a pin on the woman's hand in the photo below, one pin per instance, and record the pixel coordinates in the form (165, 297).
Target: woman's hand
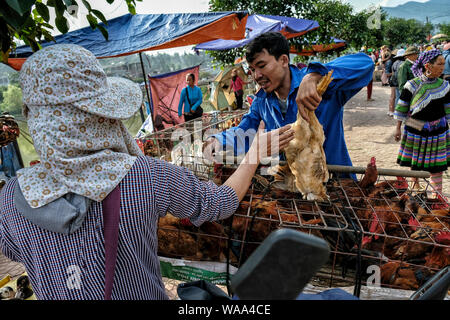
(263, 144)
(266, 144)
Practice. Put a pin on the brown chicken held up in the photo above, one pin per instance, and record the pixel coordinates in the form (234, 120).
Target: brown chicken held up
(305, 155)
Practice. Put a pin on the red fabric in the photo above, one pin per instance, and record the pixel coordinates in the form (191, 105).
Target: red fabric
(166, 91)
(16, 63)
(237, 85)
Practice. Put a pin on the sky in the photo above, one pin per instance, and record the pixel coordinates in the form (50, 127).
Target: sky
(364, 4)
(119, 8)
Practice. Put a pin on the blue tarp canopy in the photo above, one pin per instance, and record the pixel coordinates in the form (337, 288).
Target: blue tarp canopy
(130, 34)
(258, 24)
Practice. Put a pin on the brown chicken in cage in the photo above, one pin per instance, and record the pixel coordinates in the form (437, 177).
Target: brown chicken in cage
(179, 238)
(174, 240)
(440, 256)
(399, 275)
(150, 148)
(9, 129)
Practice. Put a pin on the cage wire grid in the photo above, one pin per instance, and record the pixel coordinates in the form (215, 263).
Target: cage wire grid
(344, 221)
(161, 143)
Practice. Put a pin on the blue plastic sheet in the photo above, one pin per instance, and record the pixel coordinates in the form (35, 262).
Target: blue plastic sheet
(258, 24)
(134, 33)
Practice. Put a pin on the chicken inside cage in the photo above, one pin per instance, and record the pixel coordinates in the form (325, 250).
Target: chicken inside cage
(375, 220)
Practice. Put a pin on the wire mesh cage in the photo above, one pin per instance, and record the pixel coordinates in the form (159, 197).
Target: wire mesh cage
(161, 143)
(393, 233)
(9, 129)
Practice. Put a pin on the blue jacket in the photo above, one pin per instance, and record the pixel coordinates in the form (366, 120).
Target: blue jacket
(195, 96)
(351, 73)
(446, 54)
(9, 163)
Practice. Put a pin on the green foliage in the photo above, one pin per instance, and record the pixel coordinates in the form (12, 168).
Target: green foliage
(444, 28)
(368, 28)
(336, 19)
(12, 100)
(13, 78)
(25, 143)
(401, 31)
(28, 20)
(2, 90)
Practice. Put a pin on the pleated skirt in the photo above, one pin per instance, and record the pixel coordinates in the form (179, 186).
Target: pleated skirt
(428, 153)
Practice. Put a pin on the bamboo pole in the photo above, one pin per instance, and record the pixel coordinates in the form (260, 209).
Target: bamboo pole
(350, 169)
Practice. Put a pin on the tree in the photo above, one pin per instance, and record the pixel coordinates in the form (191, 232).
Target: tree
(401, 31)
(12, 100)
(28, 20)
(444, 28)
(335, 18)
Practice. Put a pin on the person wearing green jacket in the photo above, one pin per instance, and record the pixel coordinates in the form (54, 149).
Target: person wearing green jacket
(404, 72)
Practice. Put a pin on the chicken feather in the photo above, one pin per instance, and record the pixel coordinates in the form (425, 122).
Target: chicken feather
(305, 155)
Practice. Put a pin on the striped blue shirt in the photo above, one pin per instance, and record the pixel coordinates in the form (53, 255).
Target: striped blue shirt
(73, 266)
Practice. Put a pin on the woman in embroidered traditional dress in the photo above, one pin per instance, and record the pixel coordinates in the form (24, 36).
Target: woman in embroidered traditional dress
(424, 107)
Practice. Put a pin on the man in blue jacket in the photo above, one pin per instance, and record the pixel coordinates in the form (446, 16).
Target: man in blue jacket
(286, 89)
(191, 96)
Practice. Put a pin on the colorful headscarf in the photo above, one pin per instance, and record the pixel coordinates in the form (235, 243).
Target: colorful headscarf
(423, 59)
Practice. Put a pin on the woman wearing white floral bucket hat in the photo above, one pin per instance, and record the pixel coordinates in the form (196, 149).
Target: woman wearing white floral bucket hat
(57, 215)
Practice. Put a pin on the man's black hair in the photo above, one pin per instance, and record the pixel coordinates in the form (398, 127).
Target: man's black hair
(274, 42)
(192, 76)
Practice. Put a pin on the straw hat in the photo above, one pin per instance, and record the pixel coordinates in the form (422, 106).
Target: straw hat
(411, 50)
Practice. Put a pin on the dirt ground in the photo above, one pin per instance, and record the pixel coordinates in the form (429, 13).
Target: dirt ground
(369, 131)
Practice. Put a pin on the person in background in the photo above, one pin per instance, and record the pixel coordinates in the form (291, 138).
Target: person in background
(388, 71)
(446, 54)
(237, 85)
(385, 56)
(424, 108)
(372, 55)
(404, 72)
(393, 81)
(370, 85)
(53, 215)
(191, 97)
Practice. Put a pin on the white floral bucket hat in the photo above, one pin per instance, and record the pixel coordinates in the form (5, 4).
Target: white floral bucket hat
(73, 111)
